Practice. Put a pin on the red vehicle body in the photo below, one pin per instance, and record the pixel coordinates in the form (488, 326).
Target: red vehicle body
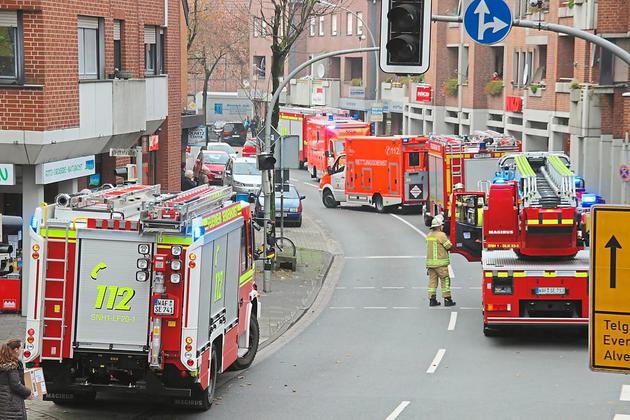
(535, 271)
(326, 141)
(379, 171)
(210, 166)
(293, 120)
(158, 300)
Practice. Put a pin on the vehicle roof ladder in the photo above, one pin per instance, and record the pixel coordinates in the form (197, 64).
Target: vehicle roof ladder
(55, 326)
(456, 153)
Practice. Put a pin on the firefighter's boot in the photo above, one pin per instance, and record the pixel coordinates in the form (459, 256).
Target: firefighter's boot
(449, 302)
(433, 301)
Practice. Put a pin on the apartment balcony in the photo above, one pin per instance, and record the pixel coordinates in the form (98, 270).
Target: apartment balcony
(318, 92)
(352, 90)
(395, 92)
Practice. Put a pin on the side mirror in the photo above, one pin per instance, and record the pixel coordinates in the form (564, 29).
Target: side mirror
(302, 197)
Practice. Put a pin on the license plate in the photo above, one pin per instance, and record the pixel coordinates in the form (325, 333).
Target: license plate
(550, 291)
(164, 306)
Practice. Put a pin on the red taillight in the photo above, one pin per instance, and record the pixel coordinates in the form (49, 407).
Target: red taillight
(188, 362)
(31, 331)
(27, 354)
(227, 132)
(499, 307)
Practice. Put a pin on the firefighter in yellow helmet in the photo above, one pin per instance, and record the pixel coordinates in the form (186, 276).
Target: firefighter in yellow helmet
(438, 246)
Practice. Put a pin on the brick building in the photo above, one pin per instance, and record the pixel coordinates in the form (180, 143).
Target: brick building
(554, 92)
(79, 78)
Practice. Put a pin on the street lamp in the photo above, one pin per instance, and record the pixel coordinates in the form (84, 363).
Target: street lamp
(377, 90)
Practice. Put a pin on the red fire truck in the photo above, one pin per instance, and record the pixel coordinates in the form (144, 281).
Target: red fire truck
(326, 140)
(293, 123)
(467, 160)
(535, 271)
(381, 171)
(138, 291)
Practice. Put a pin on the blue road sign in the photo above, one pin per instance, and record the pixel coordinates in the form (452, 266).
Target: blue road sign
(488, 21)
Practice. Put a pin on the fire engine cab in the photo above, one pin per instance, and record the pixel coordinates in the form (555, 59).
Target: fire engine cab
(470, 161)
(379, 171)
(135, 290)
(326, 140)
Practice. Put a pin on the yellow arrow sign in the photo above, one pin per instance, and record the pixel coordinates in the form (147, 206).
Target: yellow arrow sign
(609, 335)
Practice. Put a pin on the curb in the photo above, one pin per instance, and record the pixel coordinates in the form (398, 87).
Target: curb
(323, 274)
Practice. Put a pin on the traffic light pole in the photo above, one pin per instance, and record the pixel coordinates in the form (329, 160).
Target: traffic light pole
(554, 27)
(269, 178)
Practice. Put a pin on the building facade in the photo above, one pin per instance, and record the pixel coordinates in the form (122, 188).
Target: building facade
(78, 79)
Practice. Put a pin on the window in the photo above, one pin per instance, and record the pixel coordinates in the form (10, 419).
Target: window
(259, 66)
(153, 50)
(540, 73)
(89, 47)
(497, 53)
(245, 250)
(464, 64)
(117, 46)
(515, 69)
(321, 26)
(348, 23)
(255, 27)
(162, 56)
(263, 28)
(359, 23)
(414, 159)
(333, 23)
(10, 47)
(312, 27)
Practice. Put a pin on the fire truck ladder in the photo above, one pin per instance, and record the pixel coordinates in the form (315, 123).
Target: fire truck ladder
(58, 302)
(546, 181)
(173, 213)
(118, 199)
(456, 152)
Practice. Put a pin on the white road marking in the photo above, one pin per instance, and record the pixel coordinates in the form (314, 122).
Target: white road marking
(451, 273)
(406, 307)
(375, 307)
(453, 321)
(342, 307)
(475, 287)
(419, 287)
(424, 235)
(625, 393)
(340, 287)
(621, 417)
(385, 257)
(311, 185)
(364, 287)
(465, 308)
(436, 361)
(398, 410)
(393, 287)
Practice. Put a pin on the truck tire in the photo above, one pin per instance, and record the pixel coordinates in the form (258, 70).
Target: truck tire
(329, 199)
(314, 172)
(207, 395)
(254, 337)
(378, 204)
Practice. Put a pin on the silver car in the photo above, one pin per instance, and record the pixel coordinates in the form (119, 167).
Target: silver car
(243, 175)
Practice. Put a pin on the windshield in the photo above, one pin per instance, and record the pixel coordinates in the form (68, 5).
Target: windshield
(222, 147)
(215, 158)
(339, 147)
(246, 168)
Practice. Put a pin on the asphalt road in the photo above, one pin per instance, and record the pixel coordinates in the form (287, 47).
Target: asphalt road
(377, 351)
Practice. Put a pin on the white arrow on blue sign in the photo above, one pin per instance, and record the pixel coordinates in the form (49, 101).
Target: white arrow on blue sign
(488, 21)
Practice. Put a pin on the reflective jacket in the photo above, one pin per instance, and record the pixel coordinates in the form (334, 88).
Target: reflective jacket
(437, 249)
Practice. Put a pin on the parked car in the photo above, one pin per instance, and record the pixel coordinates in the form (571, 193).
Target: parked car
(223, 147)
(292, 206)
(234, 134)
(243, 175)
(250, 148)
(210, 166)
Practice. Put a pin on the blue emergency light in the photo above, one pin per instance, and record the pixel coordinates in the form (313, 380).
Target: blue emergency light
(405, 139)
(589, 199)
(498, 180)
(331, 117)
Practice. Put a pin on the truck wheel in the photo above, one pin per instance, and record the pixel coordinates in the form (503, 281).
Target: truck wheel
(329, 199)
(314, 172)
(378, 204)
(254, 336)
(207, 395)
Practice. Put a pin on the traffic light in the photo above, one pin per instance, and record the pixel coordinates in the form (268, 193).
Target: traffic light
(405, 36)
(266, 161)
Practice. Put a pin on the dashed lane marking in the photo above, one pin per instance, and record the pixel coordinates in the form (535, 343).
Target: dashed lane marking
(311, 185)
(375, 307)
(364, 287)
(340, 287)
(625, 393)
(475, 287)
(621, 417)
(452, 321)
(394, 414)
(424, 235)
(436, 361)
(342, 307)
(466, 308)
(406, 307)
(387, 257)
(393, 287)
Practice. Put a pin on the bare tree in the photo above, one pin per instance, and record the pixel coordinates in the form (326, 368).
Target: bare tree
(215, 36)
(286, 20)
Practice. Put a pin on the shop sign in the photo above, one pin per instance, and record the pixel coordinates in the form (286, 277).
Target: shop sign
(62, 170)
(197, 134)
(423, 93)
(318, 97)
(154, 143)
(7, 174)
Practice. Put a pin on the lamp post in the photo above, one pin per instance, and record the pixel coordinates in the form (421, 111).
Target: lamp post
(377, 90)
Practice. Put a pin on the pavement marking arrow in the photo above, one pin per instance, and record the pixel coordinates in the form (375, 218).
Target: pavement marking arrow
(496, 25)
(613, 244)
